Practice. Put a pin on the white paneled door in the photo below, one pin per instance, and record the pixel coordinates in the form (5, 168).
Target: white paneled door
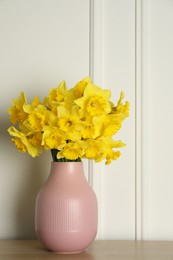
(157, 123)
(114, 68)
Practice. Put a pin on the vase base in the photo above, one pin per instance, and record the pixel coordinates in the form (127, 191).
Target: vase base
(68, 253)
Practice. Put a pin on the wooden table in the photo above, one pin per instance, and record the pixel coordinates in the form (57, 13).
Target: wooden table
(99, 250)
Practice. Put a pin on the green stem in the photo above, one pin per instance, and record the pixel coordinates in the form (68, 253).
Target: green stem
(54, 154)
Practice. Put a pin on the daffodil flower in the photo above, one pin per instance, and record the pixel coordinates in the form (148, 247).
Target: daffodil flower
(16, 111)
(24, 143)
(95, 101)
(73, 124)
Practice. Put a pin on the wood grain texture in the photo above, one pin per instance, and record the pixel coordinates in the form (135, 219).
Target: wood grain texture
(99, 250)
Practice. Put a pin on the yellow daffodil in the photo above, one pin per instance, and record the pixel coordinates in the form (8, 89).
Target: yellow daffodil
(38, 117)
(78, 90)
(110, 144)
(36, 120)
(72, 151)
(53, 138)
(122, 110)
(28, 108)
(58, 94)
(70, 123)
(19, 144)
(73, 124)
(95, 149)
(23, 143)
(90, 130)
(112, 155)
(95, 101)
(35, 139)
(107, 125)
(16, 112)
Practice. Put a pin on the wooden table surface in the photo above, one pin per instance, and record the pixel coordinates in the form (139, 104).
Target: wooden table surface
(99, 250)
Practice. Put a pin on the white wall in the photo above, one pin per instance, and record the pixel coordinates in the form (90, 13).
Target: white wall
(114, 49)
(157, 124)
(123, 45)
(42, 42)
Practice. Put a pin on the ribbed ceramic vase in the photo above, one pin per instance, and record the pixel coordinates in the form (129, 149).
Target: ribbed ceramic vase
(66, 214)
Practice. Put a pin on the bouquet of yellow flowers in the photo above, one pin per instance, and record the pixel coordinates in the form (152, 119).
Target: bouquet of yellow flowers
(73, 124)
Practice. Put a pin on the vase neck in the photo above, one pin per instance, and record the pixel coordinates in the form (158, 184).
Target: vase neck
(67, 171)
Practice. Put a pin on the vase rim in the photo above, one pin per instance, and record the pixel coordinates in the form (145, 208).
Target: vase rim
(67, 162)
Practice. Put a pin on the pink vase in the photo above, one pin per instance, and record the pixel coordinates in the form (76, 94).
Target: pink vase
(66, 209)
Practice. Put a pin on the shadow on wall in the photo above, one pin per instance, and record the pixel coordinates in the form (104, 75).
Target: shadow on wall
(35, 177)
(22, 177)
